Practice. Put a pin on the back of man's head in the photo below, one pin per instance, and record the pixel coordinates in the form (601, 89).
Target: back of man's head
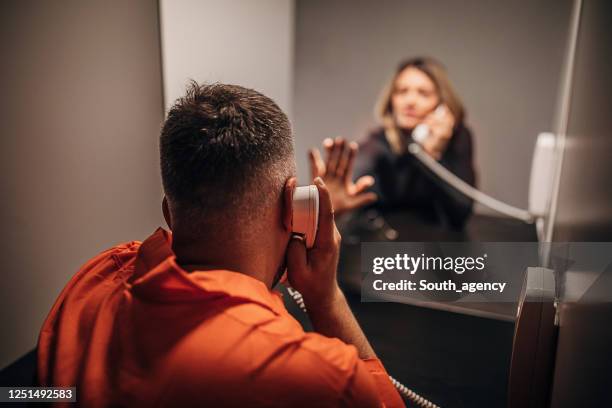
(226, 152)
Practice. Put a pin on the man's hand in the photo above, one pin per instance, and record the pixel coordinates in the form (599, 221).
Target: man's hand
(313, 272)
(337, 173)
(441, 123)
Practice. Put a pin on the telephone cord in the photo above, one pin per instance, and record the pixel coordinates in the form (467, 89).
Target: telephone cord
(403, 390)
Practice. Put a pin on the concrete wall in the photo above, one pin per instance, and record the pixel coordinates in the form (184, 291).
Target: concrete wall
(80, 113)
(243, 42)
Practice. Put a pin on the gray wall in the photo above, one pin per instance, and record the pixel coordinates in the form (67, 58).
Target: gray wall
(504, 58)
(80, 113)
(244, 42)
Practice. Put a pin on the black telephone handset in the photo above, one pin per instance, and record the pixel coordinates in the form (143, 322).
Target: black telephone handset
(306, 213)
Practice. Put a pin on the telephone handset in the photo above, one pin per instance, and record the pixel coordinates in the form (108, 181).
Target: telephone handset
(306, 213)
(421, 132)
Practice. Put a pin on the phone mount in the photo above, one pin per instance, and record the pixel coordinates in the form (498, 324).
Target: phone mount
(306, 213)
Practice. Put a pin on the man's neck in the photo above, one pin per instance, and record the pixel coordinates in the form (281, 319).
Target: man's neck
(219, 255)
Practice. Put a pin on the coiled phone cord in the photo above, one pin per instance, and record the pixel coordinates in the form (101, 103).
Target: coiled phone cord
(403, 390)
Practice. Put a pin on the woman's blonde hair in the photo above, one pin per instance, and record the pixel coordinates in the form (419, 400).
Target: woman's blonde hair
(437, 73)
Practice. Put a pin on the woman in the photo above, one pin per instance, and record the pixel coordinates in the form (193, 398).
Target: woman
(419, 94)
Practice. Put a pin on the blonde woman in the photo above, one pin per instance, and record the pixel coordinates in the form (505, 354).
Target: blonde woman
(419, 105)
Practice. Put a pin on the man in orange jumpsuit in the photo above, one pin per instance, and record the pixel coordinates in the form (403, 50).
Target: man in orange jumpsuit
(189, 317)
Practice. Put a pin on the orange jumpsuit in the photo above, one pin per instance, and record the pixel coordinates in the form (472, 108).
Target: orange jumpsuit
(133, 329)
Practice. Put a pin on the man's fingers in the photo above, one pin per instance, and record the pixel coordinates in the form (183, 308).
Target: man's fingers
(296, 256)
(325, 231)
(317, 165)
(363, 183)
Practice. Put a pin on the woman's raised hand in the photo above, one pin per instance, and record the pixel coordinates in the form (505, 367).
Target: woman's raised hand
(337, 173)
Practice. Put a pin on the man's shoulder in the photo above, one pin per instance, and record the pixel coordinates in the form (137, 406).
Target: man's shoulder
(269, 358)
(128, 247)
(278, 339)
(285, 342)
(120, 254)
(119, 259)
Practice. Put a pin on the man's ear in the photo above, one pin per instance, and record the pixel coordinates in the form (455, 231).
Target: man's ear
(166, 211)
(287, 210)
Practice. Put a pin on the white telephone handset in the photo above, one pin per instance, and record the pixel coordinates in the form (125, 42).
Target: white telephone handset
(306, 213)
(422, 132)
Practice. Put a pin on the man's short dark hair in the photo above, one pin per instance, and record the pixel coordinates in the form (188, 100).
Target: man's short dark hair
(222, 145)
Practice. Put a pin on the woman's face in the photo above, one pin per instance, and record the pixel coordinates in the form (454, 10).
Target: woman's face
(414, 97)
